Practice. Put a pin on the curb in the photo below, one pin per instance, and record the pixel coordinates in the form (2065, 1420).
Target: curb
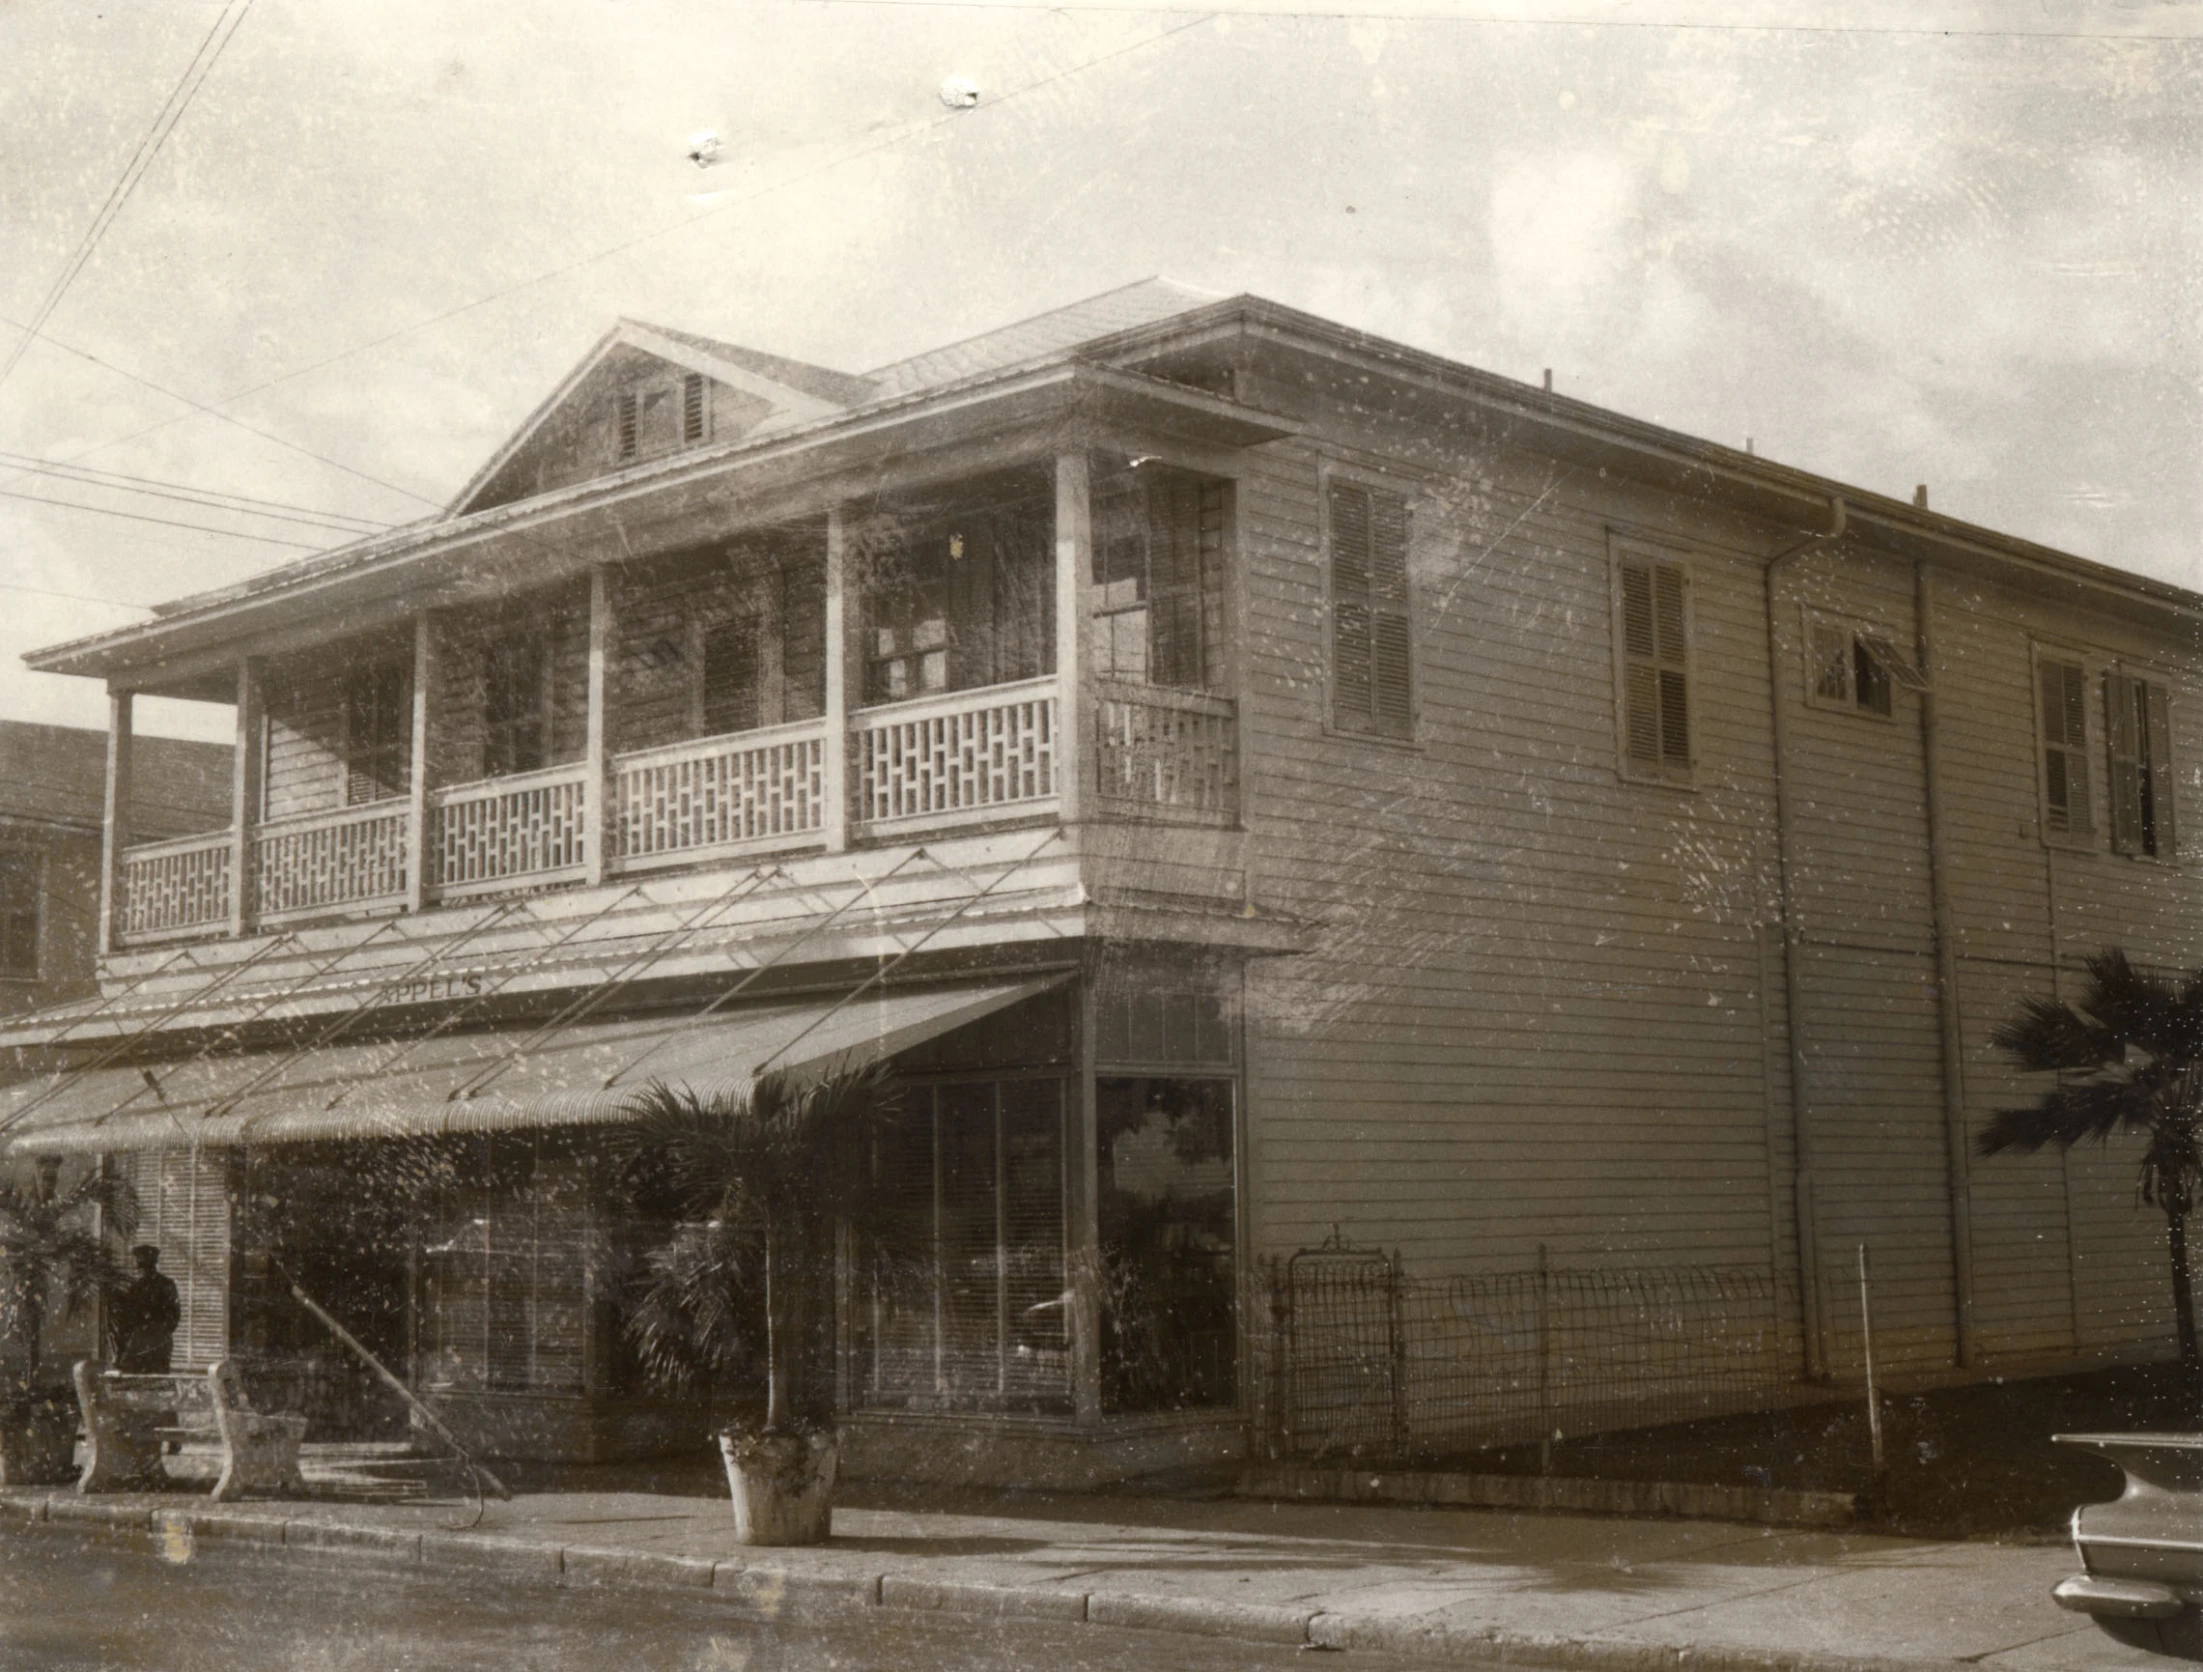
(775, 1594)
(1762, 1506)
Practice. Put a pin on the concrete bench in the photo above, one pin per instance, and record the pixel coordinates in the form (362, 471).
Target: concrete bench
(130, 1418)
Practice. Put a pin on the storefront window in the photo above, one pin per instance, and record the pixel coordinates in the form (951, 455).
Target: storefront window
(1165, 1173)
(503, 1284)
(964, 1304)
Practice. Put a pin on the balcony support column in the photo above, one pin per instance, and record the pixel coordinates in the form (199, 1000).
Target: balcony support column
(839, 698)
(1074, 570)
(416, 812)
(245, 769)
(596, 810)
(115, 824)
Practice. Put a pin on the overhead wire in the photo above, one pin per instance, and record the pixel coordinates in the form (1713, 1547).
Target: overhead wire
(211, 498)
(165, 522)
(856, 154)
(171, 112)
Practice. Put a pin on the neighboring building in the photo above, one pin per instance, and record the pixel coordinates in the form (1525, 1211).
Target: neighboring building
(1250, 777)
(52, 806)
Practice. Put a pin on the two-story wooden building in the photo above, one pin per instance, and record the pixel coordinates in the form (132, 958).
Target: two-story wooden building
(1248, 777)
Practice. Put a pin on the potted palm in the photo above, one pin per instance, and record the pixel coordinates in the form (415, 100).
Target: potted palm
(48, 1252)
(744, 1284)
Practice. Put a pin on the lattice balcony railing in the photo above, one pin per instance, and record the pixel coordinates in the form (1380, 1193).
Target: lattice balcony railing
(963, 757)
(175, 887)
(530, 825)
(756, 789)
(1166, 754)
(320, 860)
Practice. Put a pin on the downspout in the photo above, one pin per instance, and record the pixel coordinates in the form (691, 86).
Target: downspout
(1793, 984)
(1946, 971)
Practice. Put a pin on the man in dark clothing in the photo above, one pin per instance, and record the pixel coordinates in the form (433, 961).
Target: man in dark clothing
(145, 1316)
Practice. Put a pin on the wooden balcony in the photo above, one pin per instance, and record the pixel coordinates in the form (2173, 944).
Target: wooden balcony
(940, 764)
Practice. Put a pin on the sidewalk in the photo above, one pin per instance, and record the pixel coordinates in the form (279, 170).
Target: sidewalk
(1447, 1586)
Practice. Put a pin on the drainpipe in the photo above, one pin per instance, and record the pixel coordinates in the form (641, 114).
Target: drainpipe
(1801, 1126)
(1946, 971)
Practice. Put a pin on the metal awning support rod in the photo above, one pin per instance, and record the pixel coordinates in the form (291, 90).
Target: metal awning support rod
(730, 994)
(625, 976)
(885, 970)
(367, 1005)
(228, 1035)
(480, 1001)
(392, 1379)
(129, 1042)
(188, 954)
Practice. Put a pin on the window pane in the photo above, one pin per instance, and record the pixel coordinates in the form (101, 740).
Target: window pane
(1168, 1235)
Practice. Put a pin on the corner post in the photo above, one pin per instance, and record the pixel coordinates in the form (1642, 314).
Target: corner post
(416, 812)
(245, 769)
(1074, 564)
(596, 811)
(834, 780)
(115, 822)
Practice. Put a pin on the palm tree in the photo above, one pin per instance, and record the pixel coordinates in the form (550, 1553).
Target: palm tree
(44, 1243)
(2129, 1055)
(755, 1185)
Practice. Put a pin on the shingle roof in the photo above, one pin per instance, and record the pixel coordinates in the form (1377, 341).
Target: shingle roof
(1142, 303)
(60, 773)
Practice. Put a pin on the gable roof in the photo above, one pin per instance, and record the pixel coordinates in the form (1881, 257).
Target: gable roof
(58, 775)
(791, 390)
(1143, 303)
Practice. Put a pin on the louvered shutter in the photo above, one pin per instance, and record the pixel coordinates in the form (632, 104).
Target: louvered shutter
(1372, 648)
(1655, 667)
(627, 425)
(1036, 1348)
(2123, 741)
(2062, 692)
(2157, 739)
(694, 412)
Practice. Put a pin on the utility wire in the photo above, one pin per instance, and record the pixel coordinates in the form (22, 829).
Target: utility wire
(858, 154)
(171, 112)
(73, 597)
(165, 522)
(211, 412)
(210, 498)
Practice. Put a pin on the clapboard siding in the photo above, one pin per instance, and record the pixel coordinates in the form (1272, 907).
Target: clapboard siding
(1512, 942)
(1544, 1005)
(560, 616)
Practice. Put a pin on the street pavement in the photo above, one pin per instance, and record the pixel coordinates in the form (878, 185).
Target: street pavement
(1430, 1586)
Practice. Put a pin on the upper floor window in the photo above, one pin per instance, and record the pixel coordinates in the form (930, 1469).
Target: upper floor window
(378, 728)
(2138, 740)
(732, 675)
(1653, 665)
(1850, 667)
(1372, 647)
(19, 899)
(1159, 579)
(2061, 694)
(516, 704)
(959, 599)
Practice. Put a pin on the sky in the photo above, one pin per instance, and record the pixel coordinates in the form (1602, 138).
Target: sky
(1931, 242)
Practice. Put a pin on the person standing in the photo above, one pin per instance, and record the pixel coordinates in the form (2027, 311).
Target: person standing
(145, 1316)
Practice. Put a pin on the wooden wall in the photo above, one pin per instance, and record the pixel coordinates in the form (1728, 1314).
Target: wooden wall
(1546, 1005)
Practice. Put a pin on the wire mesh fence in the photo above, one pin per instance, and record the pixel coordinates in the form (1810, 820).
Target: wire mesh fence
(1372, 1363)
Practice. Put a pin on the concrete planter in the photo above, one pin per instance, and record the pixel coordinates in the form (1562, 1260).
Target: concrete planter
(783, 1485)
(38, 1440)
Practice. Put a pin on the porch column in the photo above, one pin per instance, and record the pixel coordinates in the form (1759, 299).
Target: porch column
(1074, 569)
(244, 798)
(416, 812)
(839, 699)
(115, 825)
(596, 810)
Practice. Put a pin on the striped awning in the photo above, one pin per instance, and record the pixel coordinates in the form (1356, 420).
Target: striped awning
(584, 1075)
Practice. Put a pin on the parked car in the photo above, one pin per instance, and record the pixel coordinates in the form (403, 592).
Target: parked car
(2141, 1575)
